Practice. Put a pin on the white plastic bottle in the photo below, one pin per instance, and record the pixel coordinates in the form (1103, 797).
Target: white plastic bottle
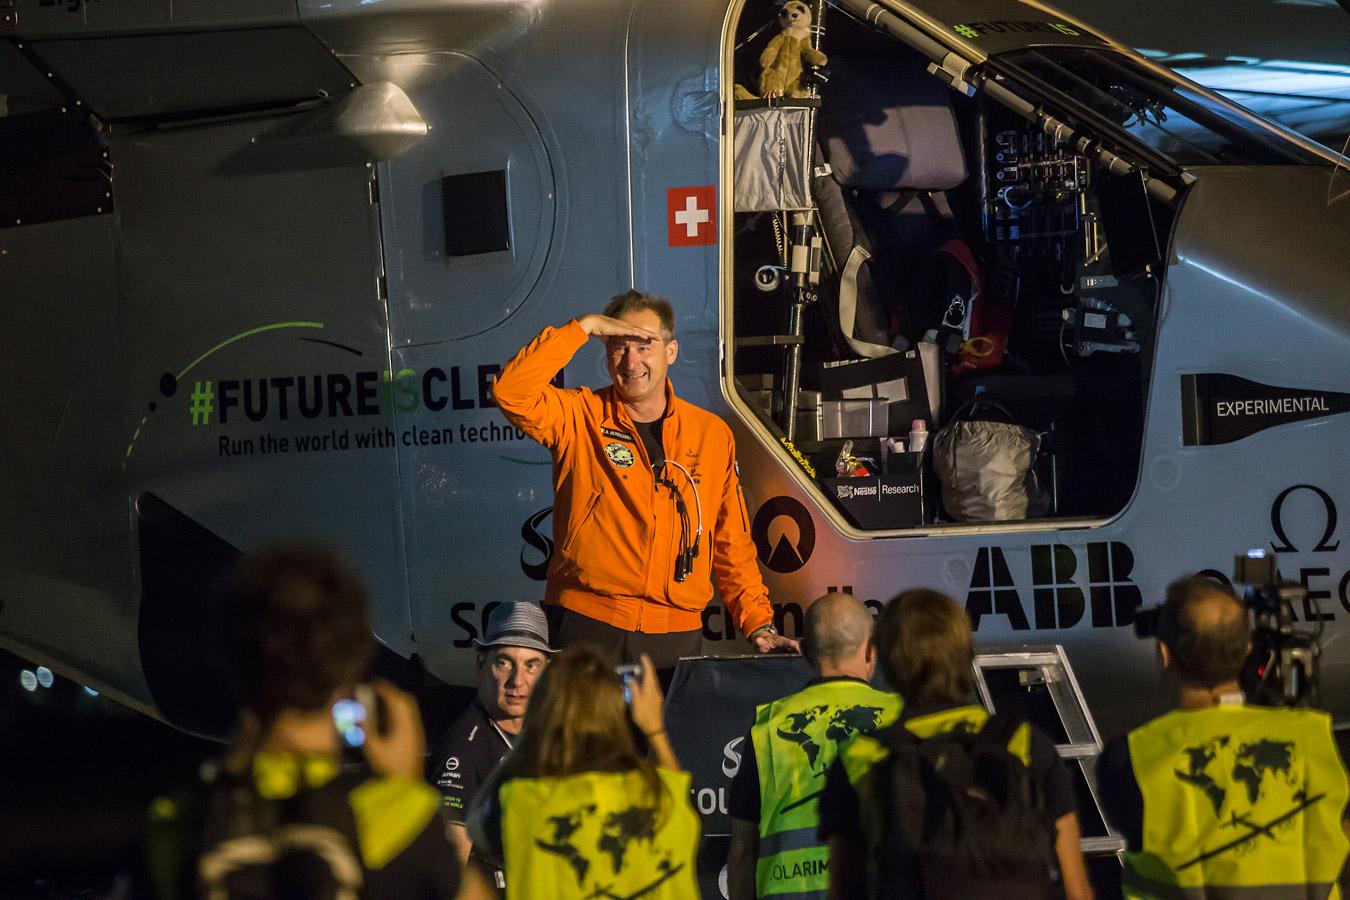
(918, 436)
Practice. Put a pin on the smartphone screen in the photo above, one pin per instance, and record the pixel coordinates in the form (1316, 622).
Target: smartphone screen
(349, 718)
(628, 675)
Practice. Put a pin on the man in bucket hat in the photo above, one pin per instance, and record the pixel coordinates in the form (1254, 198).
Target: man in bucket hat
(511, 657)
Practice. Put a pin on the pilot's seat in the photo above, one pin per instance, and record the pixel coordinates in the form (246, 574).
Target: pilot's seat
(890, 135)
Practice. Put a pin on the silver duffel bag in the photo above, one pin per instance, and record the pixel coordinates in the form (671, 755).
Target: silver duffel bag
(986, 467)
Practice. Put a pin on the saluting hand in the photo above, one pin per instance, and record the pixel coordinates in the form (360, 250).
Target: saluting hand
(600, 326)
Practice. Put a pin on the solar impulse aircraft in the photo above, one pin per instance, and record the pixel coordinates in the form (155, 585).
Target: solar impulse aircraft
(261, 261)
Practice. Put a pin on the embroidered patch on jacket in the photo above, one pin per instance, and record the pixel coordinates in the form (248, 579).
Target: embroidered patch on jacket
(620, 455)
(617, 435)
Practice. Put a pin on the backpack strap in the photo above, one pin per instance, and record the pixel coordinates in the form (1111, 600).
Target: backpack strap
(244, 829)
(848, 305)
(897, 737)
(1012, 733)
(870, 245)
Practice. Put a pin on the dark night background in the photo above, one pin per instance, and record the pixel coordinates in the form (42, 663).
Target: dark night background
(78, 775)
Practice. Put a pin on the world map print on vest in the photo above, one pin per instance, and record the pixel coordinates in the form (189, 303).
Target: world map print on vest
(617, 831)
(600, 835)
(1255, 788)
(841, 725)
(1242, 802)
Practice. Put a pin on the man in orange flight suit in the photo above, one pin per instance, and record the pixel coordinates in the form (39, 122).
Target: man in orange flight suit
(647, 509)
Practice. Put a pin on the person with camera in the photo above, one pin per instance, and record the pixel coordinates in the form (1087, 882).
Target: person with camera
(511, 656)
(792, 743)
(577, 809)
(948, 802)
(1218, 797)
(281, 815)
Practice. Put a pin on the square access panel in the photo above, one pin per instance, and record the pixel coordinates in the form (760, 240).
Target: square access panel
(476, 219)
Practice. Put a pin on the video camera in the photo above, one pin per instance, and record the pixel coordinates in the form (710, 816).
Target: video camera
(1282, 667)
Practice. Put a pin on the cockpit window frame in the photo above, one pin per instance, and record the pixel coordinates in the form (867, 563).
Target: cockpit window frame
(1009, 66)
(751, 420)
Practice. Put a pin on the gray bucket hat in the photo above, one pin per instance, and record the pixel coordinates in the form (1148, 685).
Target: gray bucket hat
(516, 625)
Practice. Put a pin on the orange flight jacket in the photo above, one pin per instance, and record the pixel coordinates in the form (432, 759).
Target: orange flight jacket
(616, 531)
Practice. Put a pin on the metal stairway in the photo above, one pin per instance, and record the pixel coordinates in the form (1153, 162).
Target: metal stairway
(1038, 683)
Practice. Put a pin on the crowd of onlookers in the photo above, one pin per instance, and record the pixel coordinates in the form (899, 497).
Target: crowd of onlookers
(559, 779)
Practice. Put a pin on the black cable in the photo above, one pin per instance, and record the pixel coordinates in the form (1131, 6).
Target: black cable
(684, 558)
(683, 563)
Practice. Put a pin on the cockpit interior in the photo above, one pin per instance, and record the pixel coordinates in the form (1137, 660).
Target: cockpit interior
(928, 283)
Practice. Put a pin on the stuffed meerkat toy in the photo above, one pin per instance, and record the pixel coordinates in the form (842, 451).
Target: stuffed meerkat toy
(782, 61)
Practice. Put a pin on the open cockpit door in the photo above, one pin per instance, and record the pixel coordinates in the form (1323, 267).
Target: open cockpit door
(974, 282)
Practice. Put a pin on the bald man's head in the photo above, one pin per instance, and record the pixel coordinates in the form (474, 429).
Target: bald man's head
(1206, 630)
(838, 628)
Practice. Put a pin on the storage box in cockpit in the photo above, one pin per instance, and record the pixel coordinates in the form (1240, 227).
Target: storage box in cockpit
(896, 380)
(880, 502)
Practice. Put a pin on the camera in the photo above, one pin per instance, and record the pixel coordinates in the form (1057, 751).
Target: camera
(1265, 598)
(355, 716)
(1255, 568)
(1282, 667)
(349, 718)
(1146, 620)
(628, 676)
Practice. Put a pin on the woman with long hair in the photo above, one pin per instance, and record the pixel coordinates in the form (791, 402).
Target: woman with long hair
(577, 809)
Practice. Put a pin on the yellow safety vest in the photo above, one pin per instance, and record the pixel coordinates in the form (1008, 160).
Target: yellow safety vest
(598, 834)
(796, 740)
(1239, 802)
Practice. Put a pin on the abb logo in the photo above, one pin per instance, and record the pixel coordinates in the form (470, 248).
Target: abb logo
(1059, 600)
(691, 216)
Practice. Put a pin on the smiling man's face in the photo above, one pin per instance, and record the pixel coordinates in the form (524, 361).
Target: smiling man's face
(639, 367)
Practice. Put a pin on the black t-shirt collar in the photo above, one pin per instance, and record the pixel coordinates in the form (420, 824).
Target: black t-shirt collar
(489, 722)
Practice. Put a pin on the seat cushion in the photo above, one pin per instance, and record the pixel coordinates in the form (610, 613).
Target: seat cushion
(889, 126)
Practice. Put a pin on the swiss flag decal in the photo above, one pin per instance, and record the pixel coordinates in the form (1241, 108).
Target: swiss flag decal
(691, 215)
